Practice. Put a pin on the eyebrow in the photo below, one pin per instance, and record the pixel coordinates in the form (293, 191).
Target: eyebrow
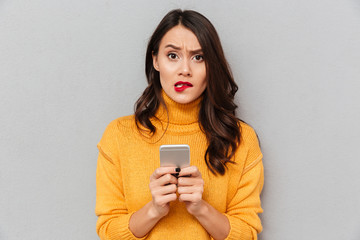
(178, 48)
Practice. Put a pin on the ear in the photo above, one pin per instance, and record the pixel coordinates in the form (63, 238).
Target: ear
(155, 62)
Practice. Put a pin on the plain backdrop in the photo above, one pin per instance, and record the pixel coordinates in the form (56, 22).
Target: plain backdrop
(67, 68)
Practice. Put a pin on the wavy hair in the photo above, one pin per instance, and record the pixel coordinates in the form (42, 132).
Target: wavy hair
(217, 111)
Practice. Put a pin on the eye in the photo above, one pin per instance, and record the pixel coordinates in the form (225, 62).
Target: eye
(198, 58)
(172, 56)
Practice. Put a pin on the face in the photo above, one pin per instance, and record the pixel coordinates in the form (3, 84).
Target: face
(181, 65)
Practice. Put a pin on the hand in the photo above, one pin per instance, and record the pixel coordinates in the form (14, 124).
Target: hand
(190, 189)
(163, 190)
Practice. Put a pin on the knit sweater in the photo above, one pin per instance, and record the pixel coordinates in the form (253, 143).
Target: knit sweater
(127, 158)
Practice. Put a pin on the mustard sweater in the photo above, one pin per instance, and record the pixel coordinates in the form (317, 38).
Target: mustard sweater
(127, 159)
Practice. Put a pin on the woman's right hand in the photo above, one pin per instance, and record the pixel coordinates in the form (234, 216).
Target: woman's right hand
(163, 190)
(163, 187)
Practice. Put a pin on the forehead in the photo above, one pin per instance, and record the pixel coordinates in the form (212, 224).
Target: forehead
(180, 37)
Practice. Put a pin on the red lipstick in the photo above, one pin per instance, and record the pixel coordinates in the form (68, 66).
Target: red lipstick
(181, 86)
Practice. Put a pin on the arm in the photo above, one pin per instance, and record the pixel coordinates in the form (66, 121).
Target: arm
(113, 215)
(163, 189)
(241, 220)
(215, 223)
(115, 221)
(244, 207)
(244, 203)
(190, 191)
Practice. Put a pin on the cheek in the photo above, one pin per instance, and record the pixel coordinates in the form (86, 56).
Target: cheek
(167, 71)
(164, 78)
(203, 86)
(202, 75)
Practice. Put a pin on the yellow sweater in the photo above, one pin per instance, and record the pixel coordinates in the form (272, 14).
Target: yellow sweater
(127, 159)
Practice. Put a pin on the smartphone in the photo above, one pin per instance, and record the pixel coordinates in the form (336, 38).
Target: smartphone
(175, 155)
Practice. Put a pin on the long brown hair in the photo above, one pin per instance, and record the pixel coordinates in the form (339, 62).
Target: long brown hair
(217, 112)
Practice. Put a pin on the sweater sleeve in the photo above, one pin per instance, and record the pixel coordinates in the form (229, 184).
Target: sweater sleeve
(113, 215)
(244, 207)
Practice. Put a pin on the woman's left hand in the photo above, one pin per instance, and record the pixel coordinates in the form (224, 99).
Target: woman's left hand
(190, 189)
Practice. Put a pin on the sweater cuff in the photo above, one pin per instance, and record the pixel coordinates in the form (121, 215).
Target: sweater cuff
(120, 228)
(238, 229)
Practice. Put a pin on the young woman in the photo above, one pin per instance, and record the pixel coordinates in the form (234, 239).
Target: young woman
(188, 100)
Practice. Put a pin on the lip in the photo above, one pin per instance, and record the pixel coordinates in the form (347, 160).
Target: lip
(184, 86)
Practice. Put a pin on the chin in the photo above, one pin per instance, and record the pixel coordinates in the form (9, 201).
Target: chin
(185, 100)
(181, 99)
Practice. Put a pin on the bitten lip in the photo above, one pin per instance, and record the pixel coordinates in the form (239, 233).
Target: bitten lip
(181, 86)
(183, 83)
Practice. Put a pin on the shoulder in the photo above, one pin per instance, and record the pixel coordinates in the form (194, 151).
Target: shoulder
(122, 122)
(249, 147)
(248, 134)
(116, 129)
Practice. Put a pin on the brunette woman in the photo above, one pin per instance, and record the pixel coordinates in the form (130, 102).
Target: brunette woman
(189, 100)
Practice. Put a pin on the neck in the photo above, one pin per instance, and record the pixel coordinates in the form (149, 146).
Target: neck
(177, 113)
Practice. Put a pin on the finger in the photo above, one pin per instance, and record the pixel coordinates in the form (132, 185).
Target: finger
(166, 179)
(162, 171)
(194, 198)
(190, 190)
(190, 181)
(164, 190)
(162, 181)
(193, 171)
(163, 200)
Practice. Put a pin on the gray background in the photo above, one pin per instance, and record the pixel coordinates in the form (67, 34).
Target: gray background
(67, 68)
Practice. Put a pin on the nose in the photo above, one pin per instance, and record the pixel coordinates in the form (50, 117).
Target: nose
(185, 68)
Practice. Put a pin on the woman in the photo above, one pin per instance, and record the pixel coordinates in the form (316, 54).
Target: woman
(189, 100)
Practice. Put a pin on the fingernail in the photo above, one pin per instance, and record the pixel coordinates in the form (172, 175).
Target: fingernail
(177, 169)
(175, 175)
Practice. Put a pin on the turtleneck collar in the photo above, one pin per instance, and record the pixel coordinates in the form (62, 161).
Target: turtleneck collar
(177, 113)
